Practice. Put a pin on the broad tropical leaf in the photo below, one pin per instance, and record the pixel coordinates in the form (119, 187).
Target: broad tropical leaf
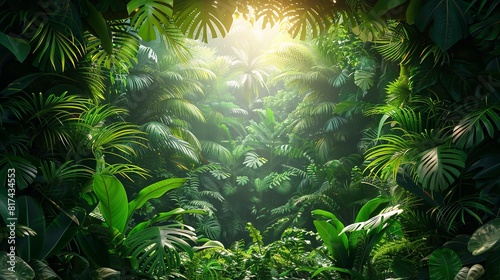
(201, 18)
(447, 19)
(155, 190)
(440, 166)
(149, 16)
(19, 47)
(113, 201)
(125, 48)
(155, 248)
(444, 264)
(61, 231)
(374, 222)
(30, 214)
(253, 160)
(22, 270)
(485, 237)
(215, 149)
(307, 17)
(164, 216)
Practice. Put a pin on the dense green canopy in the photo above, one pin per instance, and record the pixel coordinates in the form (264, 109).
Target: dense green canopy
(157, 139)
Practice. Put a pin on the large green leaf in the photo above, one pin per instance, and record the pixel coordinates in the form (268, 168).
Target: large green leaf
(155, 248)
(485, 237)
(405, 181)
(113, 200)
(311, 17)
(444, 264)
(370, 207)
(440, 166)
(253, 160)
(19, 47)
(164, 216)
(150, 15)
(30, 214)
(155, 190)
(337, 245)
(447, 20)
(201, 18)
(22, 270)
(472, 273)
(99, 27)
(61, 231)
(330, 230)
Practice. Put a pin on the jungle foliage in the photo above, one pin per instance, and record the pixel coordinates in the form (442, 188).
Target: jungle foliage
(364, 144)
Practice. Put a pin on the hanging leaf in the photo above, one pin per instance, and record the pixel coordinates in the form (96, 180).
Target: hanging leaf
(149, 16)
(17, 46)
(203, 18)
(447, 21)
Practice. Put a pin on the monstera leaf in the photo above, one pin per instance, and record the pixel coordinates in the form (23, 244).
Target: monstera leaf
(201, 18)
(149, 16)
(155, 248)
(440, 166)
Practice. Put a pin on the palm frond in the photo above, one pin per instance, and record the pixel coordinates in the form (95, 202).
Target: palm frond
(125, 48)
(215, 149)
(471, 130)
(58, 42)
(160, 137)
